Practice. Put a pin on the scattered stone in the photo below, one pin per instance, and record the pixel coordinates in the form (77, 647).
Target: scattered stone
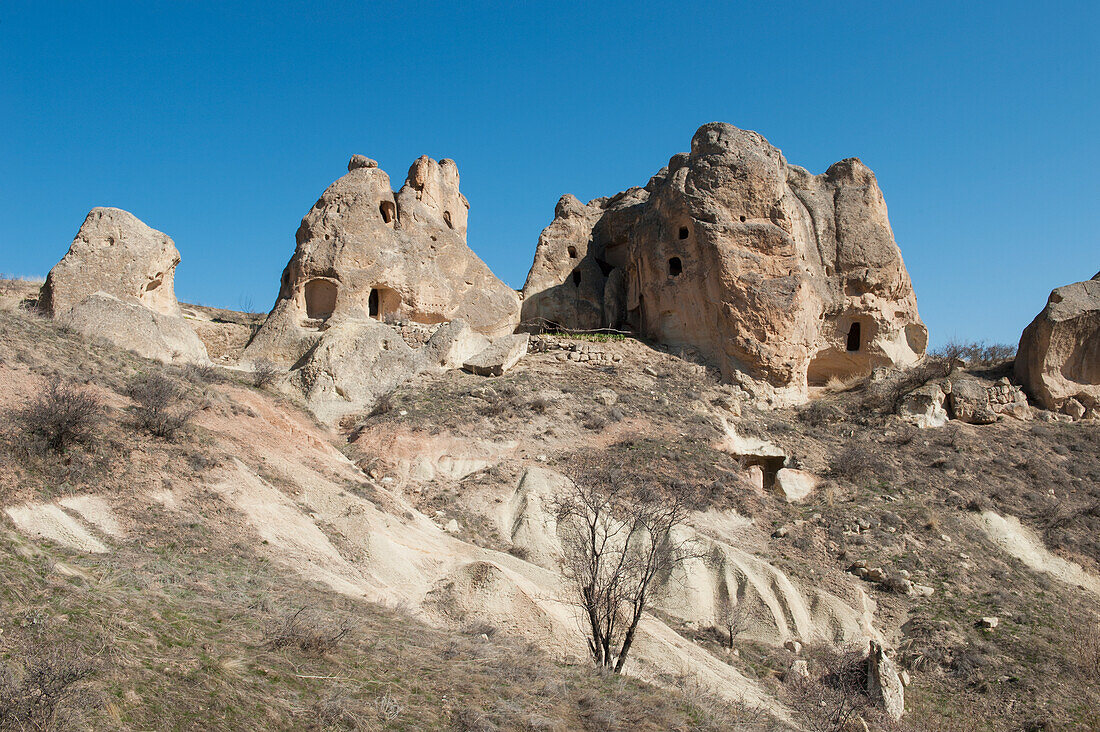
(504, 353)
(129, 325)
(1059, 354)
(989, 622)
(794, 485)
(451, 527)
(924, 406)
(781, 532)
(800, 669)
(606, 397)
(884, 685)
(794, 646)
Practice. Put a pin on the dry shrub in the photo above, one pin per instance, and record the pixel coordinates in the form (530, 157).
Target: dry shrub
(1088, 652)
(861, 460)
(837, 385)
(834, 696)
(975, 353)
(46, 691)
(160, 405)
(305, 633)
(61, 416)
(264, 373)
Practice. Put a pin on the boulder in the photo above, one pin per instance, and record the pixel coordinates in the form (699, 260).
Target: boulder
(1058, 358)
(452, 345)
(364, 252)
(924, 406)
(129, 325)
(969, 402)
(883, 682)
(504, 353)
(355, 364)
(116, 253)
(794, 485)
(764, 269)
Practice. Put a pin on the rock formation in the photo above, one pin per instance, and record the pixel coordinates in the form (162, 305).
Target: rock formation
(760, 266)
(117, 253)
(364, 252)
(1058, 361)
(116, 282)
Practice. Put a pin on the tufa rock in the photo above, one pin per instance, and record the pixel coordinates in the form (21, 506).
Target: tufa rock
(794, 485)
(760, 266)
(128, 325)
(883, 682)
(924, 406)
(504, 353)
(116, 253)
(1059, 354)
(363, 252)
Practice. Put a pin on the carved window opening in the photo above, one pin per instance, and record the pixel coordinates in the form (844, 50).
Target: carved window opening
(675, 267)
(372, 304)
(387, 209)
(684, 232)
(742, 219)
(853, 338)
(572, 252)
(320, 298)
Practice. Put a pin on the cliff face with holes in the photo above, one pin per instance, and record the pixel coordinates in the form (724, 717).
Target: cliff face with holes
(758, 265)
(365, 252)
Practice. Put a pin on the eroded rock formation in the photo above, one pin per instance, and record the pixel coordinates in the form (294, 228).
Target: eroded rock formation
(1058, 361)
(116, 253)
(762, 267)
(365, 252)
(116, 282)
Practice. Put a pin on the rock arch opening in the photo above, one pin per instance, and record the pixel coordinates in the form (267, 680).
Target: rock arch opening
(853, 341)
(675, 267)
(320, 296)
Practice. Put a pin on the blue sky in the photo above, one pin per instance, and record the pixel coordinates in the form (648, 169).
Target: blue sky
(221, 123)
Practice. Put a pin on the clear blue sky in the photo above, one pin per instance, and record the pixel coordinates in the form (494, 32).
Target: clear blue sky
(221, 123)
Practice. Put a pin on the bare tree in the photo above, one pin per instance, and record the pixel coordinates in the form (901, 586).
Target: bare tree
(732, 617)
(616, 539)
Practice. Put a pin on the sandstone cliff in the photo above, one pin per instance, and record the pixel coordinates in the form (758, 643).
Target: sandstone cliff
(364, 252)
(760, 266)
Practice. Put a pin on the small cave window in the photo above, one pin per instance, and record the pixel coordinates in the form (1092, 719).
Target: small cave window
(577, 277)
(684, 232)
(372, 304)
(387, 209)
(742, 219)
(675, 267)
(447, 218)
(853, 338)
(320, 298)
(572, 252)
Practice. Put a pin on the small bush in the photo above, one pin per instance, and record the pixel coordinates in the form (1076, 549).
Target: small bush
(305, 633)
(264, 374)
(160, 406)
(204, 373)
(45, 691)
(975, 353)
(859, 461)
(62, 416)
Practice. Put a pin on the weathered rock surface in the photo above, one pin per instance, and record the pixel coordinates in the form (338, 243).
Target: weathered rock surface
(794, 485)
(356, 363)
(762, 267)
(504, 353)
(924, 406)
(129, 325)
(883, 682)
(451, 345)
(365, 252)
(1059, 355)
(116, 253)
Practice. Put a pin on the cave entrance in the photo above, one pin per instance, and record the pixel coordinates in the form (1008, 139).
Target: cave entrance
(675, 267)
(372, 304)
(853, 338)
(320, 296)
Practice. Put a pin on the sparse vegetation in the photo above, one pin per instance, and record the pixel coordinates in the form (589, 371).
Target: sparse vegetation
(61, 415)
(616, 538)
(160, 405)
(264, 374)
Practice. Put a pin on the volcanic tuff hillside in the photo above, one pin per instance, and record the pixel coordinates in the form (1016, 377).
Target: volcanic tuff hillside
(259, 570)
